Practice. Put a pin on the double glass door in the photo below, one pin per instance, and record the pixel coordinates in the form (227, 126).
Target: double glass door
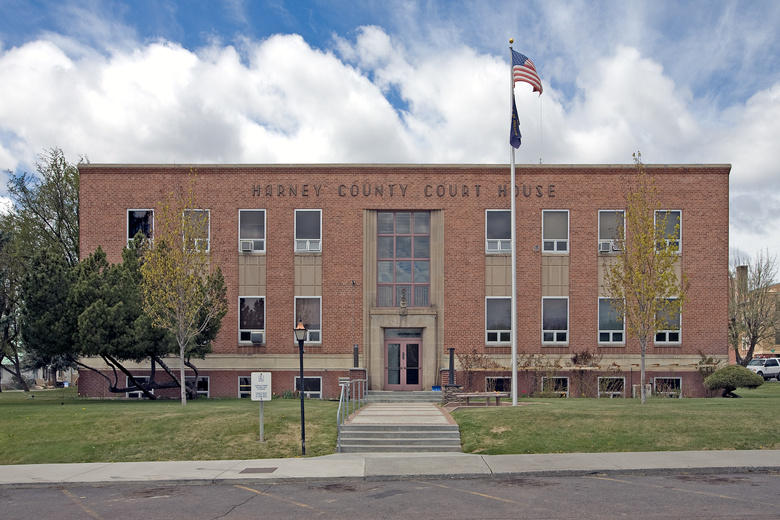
(402, 364)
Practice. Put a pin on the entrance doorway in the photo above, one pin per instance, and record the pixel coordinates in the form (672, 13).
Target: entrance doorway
(403, 355)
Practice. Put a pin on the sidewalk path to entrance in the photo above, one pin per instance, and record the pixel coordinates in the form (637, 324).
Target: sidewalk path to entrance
(401, 413)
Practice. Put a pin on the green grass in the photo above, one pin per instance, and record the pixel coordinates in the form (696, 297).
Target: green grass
(55, 426)
(614, 425)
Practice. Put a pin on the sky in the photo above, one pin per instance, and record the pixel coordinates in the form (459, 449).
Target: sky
(406, 81)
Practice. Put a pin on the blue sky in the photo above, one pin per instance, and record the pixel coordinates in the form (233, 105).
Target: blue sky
(241, 81)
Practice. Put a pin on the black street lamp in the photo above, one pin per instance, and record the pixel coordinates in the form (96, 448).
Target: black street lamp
(300, 335)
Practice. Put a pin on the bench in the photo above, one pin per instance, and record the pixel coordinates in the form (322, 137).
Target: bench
(487, 396)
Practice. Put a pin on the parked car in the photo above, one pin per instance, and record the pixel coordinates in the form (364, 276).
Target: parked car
(765, 367)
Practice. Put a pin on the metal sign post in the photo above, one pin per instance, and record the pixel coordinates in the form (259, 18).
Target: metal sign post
(261, 391)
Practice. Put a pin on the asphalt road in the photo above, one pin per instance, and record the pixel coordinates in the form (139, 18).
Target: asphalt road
(684, 495)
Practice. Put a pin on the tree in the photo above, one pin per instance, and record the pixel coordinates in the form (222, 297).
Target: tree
(752, 313)
(43, 217)
(731, 377)
(46, 319)
(183, 292)
(10, 340)
(642, 280)
(45, 210)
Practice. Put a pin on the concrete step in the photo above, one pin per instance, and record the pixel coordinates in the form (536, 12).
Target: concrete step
(400, 430)
(392, 448)
(384, 396)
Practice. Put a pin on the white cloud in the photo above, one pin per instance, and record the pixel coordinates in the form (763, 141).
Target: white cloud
(377, 97)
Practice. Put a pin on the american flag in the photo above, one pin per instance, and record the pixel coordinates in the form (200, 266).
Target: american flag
(523, 70)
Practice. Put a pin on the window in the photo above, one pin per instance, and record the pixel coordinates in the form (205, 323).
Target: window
(498, 231)
(251, 320)
(251, 230)
(556, 385)
(667, 386)
(555, 231)
(197, 228)
(139, 221)
(611, 225)
(308, 230)
(670, 321)
(244, 387)
(498, 320)
(312, 386)
(403, 258)
(201, 385)
(611, 327)
(498, 384)
(137, 394)
(307, 310)
(555, 320)
(668, 224)
(612, 386)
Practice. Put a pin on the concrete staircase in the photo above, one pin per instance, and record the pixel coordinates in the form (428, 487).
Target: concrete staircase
(400, 427)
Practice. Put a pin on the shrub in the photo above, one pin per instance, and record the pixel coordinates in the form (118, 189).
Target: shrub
(730, 378)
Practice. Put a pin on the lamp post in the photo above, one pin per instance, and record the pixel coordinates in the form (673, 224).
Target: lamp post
(300, 335)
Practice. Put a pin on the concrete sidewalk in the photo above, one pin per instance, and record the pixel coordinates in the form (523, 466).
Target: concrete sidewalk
(378, 466)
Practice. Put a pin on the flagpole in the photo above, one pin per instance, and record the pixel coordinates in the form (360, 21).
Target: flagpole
(514, 247)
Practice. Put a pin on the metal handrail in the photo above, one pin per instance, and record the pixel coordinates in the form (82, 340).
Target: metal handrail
(353, 391)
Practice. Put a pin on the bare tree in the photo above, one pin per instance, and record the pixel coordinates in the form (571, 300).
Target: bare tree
(752, 312)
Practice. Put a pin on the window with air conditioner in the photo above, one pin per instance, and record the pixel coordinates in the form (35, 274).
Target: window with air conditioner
(498, 320)
(668, 225)
(251, 230)
(308, 230)
(251, 320)
(555, 320)
(611, 226)
(498, 231)
(197, 229)
(555, 231)
(611, 325)
(309, 311)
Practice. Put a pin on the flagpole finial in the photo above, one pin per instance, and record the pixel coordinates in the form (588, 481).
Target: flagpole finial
(511, 41)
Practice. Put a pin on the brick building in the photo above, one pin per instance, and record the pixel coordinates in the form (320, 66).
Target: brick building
(389, 266)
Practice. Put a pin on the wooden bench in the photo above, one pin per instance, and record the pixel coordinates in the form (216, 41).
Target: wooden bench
(487, 396)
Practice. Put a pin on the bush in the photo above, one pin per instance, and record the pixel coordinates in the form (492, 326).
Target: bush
(730, 378)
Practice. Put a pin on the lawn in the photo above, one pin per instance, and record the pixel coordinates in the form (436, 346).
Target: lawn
(56, 426)
(612, 425)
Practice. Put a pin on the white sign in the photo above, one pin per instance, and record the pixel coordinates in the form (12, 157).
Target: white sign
(261, 386)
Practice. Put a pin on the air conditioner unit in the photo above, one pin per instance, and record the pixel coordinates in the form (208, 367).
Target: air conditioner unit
(605, 247)
(616, 245)
(256, 337)
(246, 246)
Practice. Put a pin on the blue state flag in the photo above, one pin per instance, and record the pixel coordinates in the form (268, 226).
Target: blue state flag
(514, 134)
